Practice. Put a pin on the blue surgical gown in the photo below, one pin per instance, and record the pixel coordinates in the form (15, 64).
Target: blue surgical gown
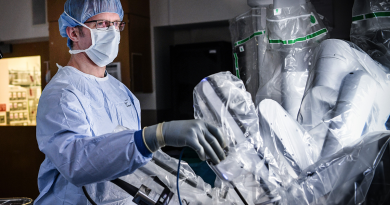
(76, 115)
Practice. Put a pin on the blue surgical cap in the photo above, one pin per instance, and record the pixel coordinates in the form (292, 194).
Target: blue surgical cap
(82, 10)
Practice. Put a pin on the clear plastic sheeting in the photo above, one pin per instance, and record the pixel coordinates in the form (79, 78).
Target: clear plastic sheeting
(288, 141)
(370, 28)
(221, 99)
(248, 35)
(347, 95)
(344, 177)
(273, 159)
(273, 51)
(192, 187)
(294, 33)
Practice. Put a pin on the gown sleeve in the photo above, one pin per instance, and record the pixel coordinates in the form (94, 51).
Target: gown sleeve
(65, 137)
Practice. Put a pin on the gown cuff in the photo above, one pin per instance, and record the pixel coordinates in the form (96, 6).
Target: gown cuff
(140, 144)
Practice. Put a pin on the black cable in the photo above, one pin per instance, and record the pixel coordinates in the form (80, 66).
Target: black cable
(88, 197)
(239, 194)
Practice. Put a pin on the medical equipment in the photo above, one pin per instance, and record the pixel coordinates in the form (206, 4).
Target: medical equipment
(294, 34)
(290, 137)
(286, 144)
(221, 99)
(344, 93)
(155, 183)
(354, 103)
(273, 50)
(142, 195)
(335, 60)
(370, 29)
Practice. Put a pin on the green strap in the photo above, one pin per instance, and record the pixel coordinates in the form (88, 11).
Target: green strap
(371, 15)
(300, 39)
(257, 33)
(236, 65)
(358, 18)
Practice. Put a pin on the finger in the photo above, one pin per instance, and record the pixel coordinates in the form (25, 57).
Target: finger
(217, 133)
(213, 142)
(197, 147)
(208, 149)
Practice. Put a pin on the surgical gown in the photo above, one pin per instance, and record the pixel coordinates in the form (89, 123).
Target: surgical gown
(76, 115)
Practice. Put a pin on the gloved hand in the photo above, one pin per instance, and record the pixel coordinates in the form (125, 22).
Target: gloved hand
(204, 138)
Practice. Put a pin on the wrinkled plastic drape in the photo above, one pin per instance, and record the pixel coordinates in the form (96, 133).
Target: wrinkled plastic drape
(347, 95)
(370, 28)
(274, 159)
(248, 33)
(273, 51)
(221, 99)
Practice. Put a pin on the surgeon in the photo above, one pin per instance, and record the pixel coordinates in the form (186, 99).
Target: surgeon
(82, 106)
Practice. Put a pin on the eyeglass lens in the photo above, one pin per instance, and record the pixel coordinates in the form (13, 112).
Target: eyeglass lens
(118, 25)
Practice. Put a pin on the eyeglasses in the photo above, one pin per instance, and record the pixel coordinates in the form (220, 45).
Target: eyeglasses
(104, 24)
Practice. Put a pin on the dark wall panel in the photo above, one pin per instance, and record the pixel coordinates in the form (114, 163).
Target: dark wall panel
(20, 160)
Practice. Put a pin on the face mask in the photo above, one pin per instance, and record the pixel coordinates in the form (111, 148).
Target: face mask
(105, 45)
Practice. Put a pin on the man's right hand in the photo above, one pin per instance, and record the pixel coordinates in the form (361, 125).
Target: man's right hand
(205, 139)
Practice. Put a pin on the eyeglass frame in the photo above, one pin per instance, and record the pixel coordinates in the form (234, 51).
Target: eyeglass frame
(111, 23)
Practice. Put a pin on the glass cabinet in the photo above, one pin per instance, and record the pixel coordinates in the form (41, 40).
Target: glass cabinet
(20, 89)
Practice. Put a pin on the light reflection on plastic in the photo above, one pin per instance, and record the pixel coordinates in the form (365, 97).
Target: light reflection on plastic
(224, 176)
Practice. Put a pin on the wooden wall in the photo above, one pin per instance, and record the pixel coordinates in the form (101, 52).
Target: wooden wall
(20, 162)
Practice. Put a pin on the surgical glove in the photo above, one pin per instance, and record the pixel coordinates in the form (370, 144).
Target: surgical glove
(202, 137)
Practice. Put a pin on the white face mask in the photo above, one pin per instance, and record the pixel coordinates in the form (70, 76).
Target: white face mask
(105, 45)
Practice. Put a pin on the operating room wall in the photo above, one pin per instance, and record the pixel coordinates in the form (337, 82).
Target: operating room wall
(179, 12)
(199, 34)
(181, 22)
(16, 22)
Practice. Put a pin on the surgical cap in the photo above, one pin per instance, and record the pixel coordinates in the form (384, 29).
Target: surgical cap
(82, 10)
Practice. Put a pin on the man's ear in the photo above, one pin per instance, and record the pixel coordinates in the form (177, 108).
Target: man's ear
(73, 33)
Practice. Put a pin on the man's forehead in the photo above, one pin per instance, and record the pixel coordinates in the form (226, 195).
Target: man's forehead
(105, 16)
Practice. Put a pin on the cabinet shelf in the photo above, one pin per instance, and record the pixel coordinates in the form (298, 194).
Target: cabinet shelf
(24, 100)
(24, 110)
